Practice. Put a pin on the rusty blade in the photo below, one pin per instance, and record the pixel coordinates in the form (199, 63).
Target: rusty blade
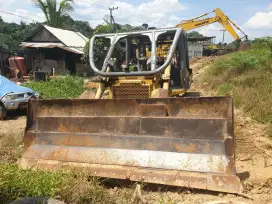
(183, 135)
(205, 181)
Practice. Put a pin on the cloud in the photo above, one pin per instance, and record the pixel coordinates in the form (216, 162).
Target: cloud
(269, 8)
(261, 20)
(155, 12)
(260, 24)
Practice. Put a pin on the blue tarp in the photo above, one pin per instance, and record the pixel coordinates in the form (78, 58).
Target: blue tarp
(7, 86)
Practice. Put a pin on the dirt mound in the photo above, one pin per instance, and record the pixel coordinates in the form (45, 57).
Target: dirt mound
(253, 154)
(253, 148)
(203, 61)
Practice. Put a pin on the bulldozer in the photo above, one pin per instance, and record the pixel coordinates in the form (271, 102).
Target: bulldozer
(150, 129)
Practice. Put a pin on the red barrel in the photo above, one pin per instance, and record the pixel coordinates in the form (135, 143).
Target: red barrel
(18, 63)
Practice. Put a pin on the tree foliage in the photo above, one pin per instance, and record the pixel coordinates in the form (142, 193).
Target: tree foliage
(12, 34)
(54, 12)
(194, 34)
(78, 26)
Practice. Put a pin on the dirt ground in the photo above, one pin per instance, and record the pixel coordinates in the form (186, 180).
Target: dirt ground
(253, 158)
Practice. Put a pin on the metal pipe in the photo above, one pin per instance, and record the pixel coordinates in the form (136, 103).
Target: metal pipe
(128, 46)
(153, 50)
(108, 57)
(145, 73)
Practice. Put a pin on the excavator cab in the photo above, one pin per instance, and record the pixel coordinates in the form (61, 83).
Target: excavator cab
(146, 131)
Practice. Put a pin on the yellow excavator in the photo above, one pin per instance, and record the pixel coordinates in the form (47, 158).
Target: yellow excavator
(199, 21)
(149, 130)
(219, 17)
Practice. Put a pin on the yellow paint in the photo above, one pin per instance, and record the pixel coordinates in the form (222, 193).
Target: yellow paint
(175, 92)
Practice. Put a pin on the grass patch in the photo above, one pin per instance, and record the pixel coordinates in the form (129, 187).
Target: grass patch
(67, 186)
(16, 183)
(11, 147)
(11, 140)
(224, 89)
(247, 76)
(61, 87)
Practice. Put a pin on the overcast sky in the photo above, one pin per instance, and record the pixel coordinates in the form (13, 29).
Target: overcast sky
(253, 16)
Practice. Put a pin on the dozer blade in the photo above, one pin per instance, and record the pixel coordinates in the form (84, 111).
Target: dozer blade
(174, 141)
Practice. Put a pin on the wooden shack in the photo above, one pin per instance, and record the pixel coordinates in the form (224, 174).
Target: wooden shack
(47, 48)
(200, 46)
(4, 56)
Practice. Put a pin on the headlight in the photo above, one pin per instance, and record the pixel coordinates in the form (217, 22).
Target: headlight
(26, 95)
(10, 97)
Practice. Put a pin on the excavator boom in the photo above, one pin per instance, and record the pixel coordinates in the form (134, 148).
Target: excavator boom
(220, 17)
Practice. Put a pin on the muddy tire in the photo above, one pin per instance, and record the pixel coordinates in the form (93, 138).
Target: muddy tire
(3, 112)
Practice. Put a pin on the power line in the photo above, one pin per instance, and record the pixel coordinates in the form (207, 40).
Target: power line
(19, 16)
(28, 14)
(10, 12)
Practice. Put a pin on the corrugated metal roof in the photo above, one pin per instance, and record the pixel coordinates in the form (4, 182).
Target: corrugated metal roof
(52, 45)
(69, 38)
(44, 45)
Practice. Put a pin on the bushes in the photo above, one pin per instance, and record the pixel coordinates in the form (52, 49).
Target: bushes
(241, 62)
(260, 43)
(62, 87)
(247, 76)
(16, 183)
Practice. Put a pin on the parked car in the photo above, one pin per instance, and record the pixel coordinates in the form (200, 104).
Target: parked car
(13, 97)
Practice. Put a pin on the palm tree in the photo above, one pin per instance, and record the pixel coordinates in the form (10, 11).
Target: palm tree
(53, 12)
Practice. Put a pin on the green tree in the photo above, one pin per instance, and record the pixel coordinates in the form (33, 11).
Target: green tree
(54, 12)
(78, 26)
(12, 34)
(194, 34)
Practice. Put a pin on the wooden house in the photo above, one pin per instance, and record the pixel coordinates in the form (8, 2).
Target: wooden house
(47, 48)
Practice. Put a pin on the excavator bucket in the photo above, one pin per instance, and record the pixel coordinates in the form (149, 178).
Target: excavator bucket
(186, 142)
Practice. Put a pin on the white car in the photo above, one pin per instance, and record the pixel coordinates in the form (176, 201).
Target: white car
(13, 97)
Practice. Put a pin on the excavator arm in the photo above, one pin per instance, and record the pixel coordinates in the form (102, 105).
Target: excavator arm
(220, 17)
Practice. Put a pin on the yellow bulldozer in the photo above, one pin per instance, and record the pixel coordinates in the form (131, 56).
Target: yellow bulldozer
(151, 129)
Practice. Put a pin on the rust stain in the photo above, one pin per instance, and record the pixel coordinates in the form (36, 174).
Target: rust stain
(191, 148)
(62, 128)
(188, 148)
(211, 163)
(180, 147)
(220, 166)
(228, 184)
(231, 167)
(149, 145)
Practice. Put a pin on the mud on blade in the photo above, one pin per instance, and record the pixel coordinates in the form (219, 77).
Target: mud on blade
(174, 141)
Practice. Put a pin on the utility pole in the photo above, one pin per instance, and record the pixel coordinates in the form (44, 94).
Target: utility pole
(223, 36)
(111, 16)
(1, 61)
